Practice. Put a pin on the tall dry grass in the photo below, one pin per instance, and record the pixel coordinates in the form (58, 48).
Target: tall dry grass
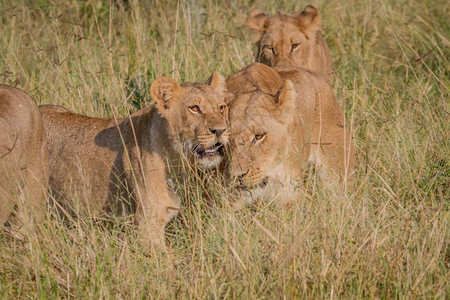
(389, 238)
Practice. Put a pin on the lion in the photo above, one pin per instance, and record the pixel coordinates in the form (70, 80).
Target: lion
(283, 119)
(133, 164)
(291, 39)
(23, 161)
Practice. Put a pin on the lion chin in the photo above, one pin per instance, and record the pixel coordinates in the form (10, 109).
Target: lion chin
(255, 194)
(210, 162)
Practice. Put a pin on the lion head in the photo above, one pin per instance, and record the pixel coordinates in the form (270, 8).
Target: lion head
(291, 39)
(260, 117)
(197, 117)
(282, 120)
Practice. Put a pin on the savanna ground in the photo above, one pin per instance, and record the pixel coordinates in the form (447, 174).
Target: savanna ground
(389, 238)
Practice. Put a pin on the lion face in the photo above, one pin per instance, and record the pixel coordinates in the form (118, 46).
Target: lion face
(288, 39)
(260, 140)
(197, 116)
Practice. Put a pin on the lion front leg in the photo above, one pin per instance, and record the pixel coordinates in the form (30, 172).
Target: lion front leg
(156, 205)
(31, 202)
(152, 218)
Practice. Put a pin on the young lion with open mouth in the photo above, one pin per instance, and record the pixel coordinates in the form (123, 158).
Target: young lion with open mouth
(282, 119)
(291, 39)
(122, 164)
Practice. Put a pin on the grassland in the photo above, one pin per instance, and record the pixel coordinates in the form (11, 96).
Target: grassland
(389, 238)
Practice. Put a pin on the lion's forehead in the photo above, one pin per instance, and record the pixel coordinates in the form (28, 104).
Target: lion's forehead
(249, 125)
(256, 111)
(282, 31)
(281, 20)
(203, 97)
(203, 92)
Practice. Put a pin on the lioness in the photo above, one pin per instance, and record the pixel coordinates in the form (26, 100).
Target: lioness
(23, 160)
(107, 161)
(282, 119)
(291, 39)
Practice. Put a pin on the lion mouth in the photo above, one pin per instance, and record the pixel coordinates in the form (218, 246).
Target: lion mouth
(216, 149)
(252, 193)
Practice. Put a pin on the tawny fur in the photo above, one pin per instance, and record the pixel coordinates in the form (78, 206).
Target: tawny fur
(23, 160)
(283, 119)
(128, 165)
(291, 39)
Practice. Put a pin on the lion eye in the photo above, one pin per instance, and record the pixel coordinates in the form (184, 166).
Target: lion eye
(259, 137)
(270, 48)
(222, 107)
(294, 46)
(194, 109)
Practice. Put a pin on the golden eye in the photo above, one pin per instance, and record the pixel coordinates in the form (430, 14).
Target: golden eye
(194, 109)
(294, 46)
(259, 137)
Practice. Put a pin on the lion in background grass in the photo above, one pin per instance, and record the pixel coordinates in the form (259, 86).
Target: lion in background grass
(135, 164)
(291, 39)
(23, 160)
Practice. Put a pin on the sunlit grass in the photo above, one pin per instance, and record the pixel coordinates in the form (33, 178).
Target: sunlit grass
(388, 238)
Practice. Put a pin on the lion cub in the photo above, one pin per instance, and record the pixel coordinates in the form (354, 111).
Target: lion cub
(291, 39)
(283, 119)
(23, 160)
(118, 165)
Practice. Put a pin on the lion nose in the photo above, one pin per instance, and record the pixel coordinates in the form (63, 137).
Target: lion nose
(217, 131)
(264, 182)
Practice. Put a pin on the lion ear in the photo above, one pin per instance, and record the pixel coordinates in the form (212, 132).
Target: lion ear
(285, 100)
(217, 82)
(164, 92)
(265, 78)
(256, 76)
(256, 20)
(309, 20)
